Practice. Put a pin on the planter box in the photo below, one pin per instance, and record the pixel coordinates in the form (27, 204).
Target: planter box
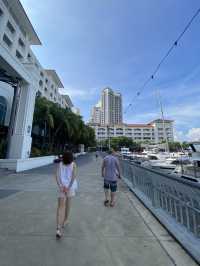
(19, 165)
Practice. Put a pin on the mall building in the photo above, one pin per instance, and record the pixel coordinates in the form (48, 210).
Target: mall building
(22, 78)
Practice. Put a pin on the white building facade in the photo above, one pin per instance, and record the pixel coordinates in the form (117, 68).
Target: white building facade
(17, 60)
(96, 114)
(153, 132)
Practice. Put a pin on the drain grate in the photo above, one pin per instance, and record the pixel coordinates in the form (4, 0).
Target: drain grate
(4, 193)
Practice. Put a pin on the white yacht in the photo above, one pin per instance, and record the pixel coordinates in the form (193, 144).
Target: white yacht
(164, 161)
(159, 162)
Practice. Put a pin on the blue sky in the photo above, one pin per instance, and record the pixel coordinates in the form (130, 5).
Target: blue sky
(117, 43)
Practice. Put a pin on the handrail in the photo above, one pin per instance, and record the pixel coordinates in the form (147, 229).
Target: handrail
(174, 201)
(171, 176)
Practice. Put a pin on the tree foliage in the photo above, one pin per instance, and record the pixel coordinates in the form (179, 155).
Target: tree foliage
(177, 146)
(55, 128)
(118, 142)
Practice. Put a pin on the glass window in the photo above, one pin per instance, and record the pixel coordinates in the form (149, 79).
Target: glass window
(10, 27)
(3, 109)
(40, 83)
(7, 40)
(29, 57)
(38, 94)
(1, 12)
(18, 55)
(21, 43)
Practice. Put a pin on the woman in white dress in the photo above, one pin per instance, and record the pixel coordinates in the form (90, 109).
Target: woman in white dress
(67, 185)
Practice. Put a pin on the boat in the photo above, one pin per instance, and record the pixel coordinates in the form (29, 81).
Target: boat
(160, 163)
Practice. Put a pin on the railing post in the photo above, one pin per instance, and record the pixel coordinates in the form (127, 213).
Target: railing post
(155, 195)
(133, 175)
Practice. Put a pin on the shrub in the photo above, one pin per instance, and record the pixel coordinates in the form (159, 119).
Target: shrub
(35, 152)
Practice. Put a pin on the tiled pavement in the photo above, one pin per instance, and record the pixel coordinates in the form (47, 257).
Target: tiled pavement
(96, 236)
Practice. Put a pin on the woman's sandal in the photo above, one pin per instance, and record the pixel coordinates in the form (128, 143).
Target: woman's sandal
(106, 203)
(58, 233)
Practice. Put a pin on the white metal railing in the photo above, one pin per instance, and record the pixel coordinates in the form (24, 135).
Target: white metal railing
(174, 201)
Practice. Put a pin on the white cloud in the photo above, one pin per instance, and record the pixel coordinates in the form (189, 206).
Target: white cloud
(179, 135)
(182, 114)
(141, 118)
(193, 134)
(81, 94)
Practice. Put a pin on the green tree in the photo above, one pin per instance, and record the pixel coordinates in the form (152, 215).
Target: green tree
(118, 142)
(175, 146)
(43, 117)
(61, 126)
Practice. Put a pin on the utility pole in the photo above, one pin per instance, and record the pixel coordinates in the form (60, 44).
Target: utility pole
(108, 133)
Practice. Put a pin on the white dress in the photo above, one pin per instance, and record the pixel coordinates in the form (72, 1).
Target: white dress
(65, 176)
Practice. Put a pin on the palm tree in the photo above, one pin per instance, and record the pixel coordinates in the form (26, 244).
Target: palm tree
(43, 117)
(62, 126)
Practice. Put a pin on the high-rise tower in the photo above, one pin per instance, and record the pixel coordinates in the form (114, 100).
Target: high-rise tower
(111, 107)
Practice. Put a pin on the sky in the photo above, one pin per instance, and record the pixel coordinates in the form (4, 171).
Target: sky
(117, 43)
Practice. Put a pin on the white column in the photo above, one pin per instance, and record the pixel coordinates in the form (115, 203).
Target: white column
(20, 142)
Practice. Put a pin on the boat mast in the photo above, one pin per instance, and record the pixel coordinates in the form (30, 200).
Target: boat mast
(163, 120)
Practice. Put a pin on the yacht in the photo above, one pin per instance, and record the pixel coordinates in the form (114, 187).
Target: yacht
(159, 163)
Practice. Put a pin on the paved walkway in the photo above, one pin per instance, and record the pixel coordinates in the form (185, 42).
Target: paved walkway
(96, 236)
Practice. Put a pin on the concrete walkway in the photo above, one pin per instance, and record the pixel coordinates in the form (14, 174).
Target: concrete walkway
(96, 236)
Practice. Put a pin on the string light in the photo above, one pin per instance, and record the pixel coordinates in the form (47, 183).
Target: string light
(174, 45)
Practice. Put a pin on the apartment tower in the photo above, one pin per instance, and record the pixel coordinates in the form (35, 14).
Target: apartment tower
(111, 107)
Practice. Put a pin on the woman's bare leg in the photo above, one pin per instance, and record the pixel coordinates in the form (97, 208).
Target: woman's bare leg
(67, 209)
(60, 212)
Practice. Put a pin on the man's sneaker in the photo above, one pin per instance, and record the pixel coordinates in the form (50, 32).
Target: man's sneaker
(106, 203)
